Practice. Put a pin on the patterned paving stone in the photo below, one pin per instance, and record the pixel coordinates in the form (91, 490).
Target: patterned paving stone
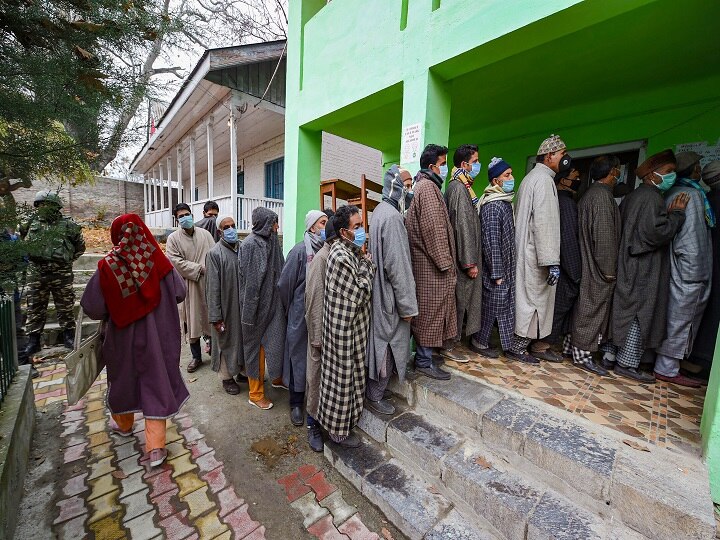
(99, 438)
(191, 434)
(325, 530)
(161, 483)
(104, 506)
(309, 508)
(127, 450)
(198, 448)
(130, 465)
(210, 525)
(338, 508)
(320, 485)
(72, 529)
(101, 486)
(75, 485)
(229, 501)
(101, 468)
(257, 534)
(240, 522)
(168, 503)
(294, 488)
(136, 505)
(355, 529)
(181, 465)
(107, 528)
(207, 462)
(176, 526)
(74, 453)
(198, 502)
(188, 483)
(215, 479)
(70, 508)
(132, 484)
(176, 449)
(143, 527)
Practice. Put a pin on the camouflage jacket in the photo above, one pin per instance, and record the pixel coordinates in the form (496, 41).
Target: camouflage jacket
(59, 241)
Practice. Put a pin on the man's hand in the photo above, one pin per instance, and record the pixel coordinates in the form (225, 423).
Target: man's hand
(680, 202)
(219, 326)
(367, 256)
(553, 275)
(472, 272)
(498, 281)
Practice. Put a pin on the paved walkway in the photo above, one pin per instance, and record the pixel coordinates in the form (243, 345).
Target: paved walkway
(105, 488)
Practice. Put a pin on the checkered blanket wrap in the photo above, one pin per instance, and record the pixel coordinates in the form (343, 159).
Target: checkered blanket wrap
(346, 323)
(131, 260)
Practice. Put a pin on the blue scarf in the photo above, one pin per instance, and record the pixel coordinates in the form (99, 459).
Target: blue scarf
(709, 214)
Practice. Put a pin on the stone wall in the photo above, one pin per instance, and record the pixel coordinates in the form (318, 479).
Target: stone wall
(99, 202)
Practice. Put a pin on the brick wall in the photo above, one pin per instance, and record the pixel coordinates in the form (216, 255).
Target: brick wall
(348, 160)
(101, 201)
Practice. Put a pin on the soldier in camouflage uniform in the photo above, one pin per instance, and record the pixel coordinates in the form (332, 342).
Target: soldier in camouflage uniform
(54, 242)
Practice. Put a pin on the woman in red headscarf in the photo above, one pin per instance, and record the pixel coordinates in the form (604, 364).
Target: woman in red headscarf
(136, 290)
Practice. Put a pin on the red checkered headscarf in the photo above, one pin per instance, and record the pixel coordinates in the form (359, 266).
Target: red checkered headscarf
(130, 274)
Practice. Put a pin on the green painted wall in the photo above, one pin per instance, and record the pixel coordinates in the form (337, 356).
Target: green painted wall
(503, 74)
(710, 427)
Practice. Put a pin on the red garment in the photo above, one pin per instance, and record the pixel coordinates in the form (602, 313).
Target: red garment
(130, 274)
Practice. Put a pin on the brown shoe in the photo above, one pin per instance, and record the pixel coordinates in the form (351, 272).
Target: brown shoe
(194, 364)
(680, 380)
(231, 387)
(263, 404)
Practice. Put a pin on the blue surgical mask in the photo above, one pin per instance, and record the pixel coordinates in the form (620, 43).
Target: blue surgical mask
(359, 237)
(230, 235)
(322, 235)
(186, 222)
(443, 171)
(508, 185)
(475, 169)
(667, 181)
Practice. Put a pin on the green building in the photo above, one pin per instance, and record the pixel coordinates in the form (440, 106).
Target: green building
(628, 76)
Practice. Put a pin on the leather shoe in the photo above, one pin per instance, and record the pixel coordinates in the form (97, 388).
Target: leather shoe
(434, 372)
(240, 378)
(194, 364)
(547, 355)
(296, 416)
(351, 441)
(607, 364)
(680, 380)
(633, 373)
(380, 407)
(487, 352)
(525, 358)
(592, 367)
(231, 387)
(315, 439)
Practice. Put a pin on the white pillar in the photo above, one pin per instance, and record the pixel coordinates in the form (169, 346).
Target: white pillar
(145, 195)
(210, 161)
(162, 187)
(169, 183)
(233, 161)
(153, 190)
(156, 189)
(192, 168)
(181, 185)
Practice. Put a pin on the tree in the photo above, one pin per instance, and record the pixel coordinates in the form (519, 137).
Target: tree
(76, 72)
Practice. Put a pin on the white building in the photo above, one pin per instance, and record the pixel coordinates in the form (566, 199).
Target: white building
(222, 139)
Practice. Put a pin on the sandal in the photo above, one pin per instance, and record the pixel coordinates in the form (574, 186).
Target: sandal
(264, 404)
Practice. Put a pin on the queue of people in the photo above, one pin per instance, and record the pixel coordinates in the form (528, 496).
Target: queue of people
(601, 285)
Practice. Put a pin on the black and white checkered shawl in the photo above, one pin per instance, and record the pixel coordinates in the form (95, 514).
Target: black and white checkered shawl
(346, 323)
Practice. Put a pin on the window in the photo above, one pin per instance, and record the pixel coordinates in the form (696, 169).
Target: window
(275, 179)
(241, 183)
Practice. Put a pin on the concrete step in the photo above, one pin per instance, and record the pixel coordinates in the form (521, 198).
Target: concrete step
(414, 506)
(52, 310)
(659, 493)
(81, 277)
(52, 335)
(88, 261)
(483, 485)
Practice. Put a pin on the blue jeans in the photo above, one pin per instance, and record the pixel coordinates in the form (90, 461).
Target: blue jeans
(423, 356)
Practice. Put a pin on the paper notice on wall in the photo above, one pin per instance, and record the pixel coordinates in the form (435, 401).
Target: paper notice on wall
(410, 146)
(709, 152)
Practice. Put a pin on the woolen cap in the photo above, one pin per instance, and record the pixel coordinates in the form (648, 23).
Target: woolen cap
(311, 218)
(685, 160)
(552, 144)
(654, 162)
(711, 173)
(497, 166)
(223, 217)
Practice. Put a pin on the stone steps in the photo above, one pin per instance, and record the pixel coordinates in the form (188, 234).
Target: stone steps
(522, 470)
(52, 334)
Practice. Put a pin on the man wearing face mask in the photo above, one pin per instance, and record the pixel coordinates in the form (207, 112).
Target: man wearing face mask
(394, 303)
(187, 249)
(691, 265)
(568, 285)
(643, 278)
(432, 251)
(58, 243)
(346, 323)
(599, 227)
(463, 205)
(223, 301)
(291, 287)
(537, 245)
(498, 269)
(209, 221)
